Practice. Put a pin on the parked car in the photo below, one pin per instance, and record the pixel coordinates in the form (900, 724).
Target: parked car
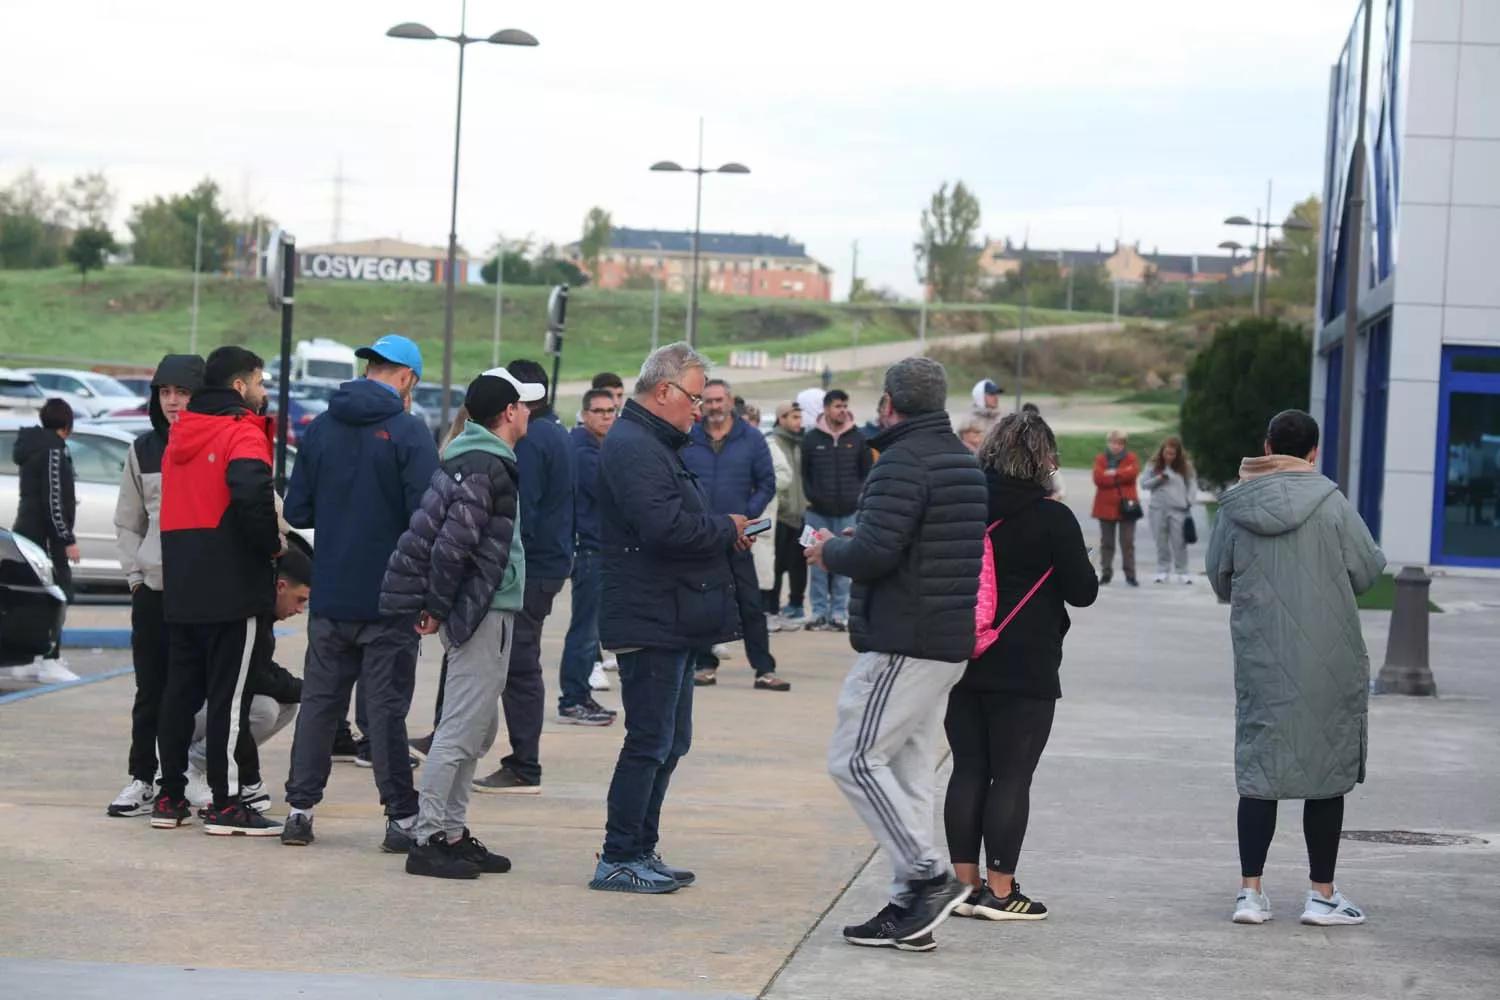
(138, 384)
(90, 393)
(31, 605)
(20, 396)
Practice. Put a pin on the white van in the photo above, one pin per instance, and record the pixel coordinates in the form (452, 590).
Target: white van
(319, 360)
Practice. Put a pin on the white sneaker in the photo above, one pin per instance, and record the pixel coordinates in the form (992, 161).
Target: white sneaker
(721, 651)
(598, 679)
(135, 799)
(1160, 578)
(611, 662)
(1335, 912)
(54, 672)
(1184, 578)
(1251, 907)
(197, 792)
(256, 797)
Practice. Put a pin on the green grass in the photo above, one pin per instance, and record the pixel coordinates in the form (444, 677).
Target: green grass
(1159, 397)
(1078, 451)
(134, 315)
(1382, 597)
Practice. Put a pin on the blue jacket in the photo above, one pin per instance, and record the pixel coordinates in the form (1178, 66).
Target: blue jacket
(665, 578)
(740, 478)
(361, 470)
(545, 459)
(585, 489)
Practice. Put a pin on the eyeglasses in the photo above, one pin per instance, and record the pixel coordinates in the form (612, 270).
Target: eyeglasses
(695, 400)
(604, 412)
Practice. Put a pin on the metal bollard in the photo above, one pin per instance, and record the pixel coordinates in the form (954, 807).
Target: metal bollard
(1406, 670)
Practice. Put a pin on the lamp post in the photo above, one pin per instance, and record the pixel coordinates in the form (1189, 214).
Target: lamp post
(669, 166)
(499, 291)
(656, 298)
(421, 33)
(1262, 249)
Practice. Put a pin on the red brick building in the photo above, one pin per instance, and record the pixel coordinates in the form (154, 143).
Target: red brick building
(772, 267)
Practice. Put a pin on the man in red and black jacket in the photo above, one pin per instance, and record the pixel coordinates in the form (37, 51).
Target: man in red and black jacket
(220, 538)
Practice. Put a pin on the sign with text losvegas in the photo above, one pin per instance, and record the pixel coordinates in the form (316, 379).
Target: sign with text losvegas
(356, 267)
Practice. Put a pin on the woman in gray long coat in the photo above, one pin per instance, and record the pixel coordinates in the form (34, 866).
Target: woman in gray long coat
(1289, 553)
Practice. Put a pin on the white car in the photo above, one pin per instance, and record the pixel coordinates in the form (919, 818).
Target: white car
(20, 396)
(90, 393)
(99, 452)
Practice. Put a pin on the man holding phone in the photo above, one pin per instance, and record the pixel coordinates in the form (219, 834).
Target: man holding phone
(732, 463)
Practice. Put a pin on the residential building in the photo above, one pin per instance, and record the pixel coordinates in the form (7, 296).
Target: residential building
(1124, 264)
(773, 267)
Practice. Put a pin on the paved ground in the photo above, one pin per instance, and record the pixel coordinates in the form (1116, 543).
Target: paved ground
(1132, 844)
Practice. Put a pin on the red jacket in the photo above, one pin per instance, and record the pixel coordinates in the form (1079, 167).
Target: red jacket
(1112, 487)
(219, 531)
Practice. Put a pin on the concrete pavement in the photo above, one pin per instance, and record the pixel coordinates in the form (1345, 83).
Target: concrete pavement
(1131, 844)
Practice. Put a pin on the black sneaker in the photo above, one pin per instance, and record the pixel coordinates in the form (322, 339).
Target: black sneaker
(705, 678)
(594, 706)
(818, 625)
(507, 782)
(421, 746)
(966, 908)
(297, 831)
(345, 746)
(438, 859)
(838, 625)
(1016, 906)
(933, 900)
(168, 813)
(581, 715)
(397, 840)
(362, 756)
(239, 820)
(883, 931)
(471, 849)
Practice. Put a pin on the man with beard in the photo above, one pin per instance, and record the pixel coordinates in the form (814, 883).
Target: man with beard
(836, 458)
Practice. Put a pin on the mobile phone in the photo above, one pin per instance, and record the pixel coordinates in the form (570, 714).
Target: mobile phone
(756, 527)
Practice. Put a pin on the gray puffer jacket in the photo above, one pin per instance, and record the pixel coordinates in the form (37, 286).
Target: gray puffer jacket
(1289, 553)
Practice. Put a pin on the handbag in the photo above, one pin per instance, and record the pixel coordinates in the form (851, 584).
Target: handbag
(1190, 531)
(1130, 510)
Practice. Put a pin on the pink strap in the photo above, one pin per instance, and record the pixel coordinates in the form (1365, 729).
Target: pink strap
(1029, 594)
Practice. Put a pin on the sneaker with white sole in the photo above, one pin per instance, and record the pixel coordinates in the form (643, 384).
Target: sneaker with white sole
(1184, 578)
(1160, 578)
(1016, 906)
(256, 797)
(1251, 907)
(1335, 912)
(196, 791)
(610, 662)
(581, 715)
(598, 679)
(135, 799)
(54, 672)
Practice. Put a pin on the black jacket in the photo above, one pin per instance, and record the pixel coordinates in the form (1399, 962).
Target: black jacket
(265, 676)
(1035, 533)
(666, 581)
(833, 471)
(47, 504)
(917, 544)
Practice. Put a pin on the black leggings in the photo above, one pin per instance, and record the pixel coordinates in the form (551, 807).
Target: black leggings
(1322, 823)
(997, 740)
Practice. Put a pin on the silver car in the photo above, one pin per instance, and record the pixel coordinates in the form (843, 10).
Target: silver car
(90, 393)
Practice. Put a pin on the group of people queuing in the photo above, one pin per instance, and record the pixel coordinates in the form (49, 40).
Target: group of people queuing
(951, 567)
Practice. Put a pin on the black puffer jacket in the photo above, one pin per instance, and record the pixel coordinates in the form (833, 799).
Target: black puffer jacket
(834, 469)
(1034, 534)
(917, 544)
(462, 549)
(47, 504)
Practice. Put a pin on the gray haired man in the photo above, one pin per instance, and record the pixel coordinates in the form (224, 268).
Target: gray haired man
(914, 557)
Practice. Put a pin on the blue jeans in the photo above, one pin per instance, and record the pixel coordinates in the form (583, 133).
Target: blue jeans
(581, 647)
(829, 594)
(656, 691)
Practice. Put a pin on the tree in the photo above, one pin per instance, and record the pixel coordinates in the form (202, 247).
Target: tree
(1297, 277)
(598, 236)
(89, 250)
(88, 201)
(29, 232)
(946, 260)
(1251, 371)
(165, 229)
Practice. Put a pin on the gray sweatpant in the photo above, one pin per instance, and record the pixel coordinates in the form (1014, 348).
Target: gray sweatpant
(267, 718)
(1166, 531)
(884, 755)
(470, 723)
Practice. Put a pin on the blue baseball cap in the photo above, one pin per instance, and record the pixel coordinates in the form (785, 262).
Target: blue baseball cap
(394, 349)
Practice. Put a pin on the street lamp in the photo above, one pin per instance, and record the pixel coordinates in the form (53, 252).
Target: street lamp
(656, 298)
(669, 166)
(421, 33)
(1263, 247)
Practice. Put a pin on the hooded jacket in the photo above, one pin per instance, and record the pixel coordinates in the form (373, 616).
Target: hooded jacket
(1289, 553)
(463, 555)
(219, 527)
(1034, 534)
(738, 478)
(361, 470)
(138, 507)
(47, 504)
(545, 460)
(984, 413)
(834, 467)
(791, 501)
(585, 488)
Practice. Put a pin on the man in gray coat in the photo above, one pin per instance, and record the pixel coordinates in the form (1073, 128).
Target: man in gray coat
(1289, 553)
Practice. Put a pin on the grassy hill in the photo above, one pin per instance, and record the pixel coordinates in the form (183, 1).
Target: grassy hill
(136, 314)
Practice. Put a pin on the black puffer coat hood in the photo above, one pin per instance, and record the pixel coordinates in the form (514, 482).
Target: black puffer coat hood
(185, 370)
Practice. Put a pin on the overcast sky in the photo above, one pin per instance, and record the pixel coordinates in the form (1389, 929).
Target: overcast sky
(1075, 119)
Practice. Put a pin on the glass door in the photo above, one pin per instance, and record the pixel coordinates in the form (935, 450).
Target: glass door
(1466, 511)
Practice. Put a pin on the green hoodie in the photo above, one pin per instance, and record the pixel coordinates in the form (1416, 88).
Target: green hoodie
(512, 591)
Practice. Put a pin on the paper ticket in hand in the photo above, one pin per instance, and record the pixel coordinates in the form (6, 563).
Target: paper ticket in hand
(809, 536)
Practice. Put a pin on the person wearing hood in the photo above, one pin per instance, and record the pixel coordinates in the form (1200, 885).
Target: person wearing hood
(1000, 713)
(1289, 554)
(986, 397)
(791, 513)
(365, 446)
(220, 538)
(138, 527)
(810, 402)
(836, 459)
(48, 505)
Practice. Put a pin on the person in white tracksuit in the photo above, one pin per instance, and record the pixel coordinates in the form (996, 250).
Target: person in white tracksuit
(1173, 485)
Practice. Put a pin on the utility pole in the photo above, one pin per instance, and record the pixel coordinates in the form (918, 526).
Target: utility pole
(499, 292)
(1021, 332)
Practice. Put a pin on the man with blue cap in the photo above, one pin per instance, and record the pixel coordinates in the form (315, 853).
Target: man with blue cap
(361, 471)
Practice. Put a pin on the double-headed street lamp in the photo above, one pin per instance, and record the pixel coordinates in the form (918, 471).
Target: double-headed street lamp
(422, 33)
(669, 166)
(1264, 248)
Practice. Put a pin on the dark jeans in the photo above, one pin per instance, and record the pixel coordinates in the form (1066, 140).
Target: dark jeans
(791, 561)
(997, 740)
(581, 647)
(1322, 825)
(656, 691)
(209, 663)
(382, 657)
(525, 696)
(752, 619)
(148, 652)
(62, 575)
